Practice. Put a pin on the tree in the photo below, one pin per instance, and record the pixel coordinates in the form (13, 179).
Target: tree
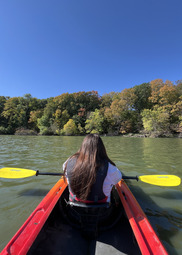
(11, 114)
(70, 128)
(75, 101)
(44, 125)
(121, 113)
(163, 93)
(33, 120)
(157, 120)
(46, 122)
(61, 118)
(168, 94)
(176, 112)
(142, 92)
(3, 122)
(94, 124)
(108, 98)
(127, 99)
(179, 87)
(156, 85)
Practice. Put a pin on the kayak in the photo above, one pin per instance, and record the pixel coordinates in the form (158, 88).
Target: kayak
(51, 230)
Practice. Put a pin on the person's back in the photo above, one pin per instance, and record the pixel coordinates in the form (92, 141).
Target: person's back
(90, 173)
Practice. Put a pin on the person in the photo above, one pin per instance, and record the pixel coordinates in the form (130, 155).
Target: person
(90, 173)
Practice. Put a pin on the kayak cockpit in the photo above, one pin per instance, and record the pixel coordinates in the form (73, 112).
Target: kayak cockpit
(62, 233)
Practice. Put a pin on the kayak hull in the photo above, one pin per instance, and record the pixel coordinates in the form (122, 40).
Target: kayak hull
(46, 232)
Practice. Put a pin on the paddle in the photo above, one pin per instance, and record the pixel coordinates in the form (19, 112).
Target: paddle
(160, 180)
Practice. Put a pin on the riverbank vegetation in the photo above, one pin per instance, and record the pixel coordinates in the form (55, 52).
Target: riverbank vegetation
(150, 109)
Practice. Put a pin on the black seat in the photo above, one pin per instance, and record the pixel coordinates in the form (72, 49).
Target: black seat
(88, 217)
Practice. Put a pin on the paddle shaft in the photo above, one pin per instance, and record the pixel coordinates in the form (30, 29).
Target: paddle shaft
(54, 174)
(130, 178)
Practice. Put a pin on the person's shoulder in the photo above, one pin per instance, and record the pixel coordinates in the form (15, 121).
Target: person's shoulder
(114, 173)
(111, 167)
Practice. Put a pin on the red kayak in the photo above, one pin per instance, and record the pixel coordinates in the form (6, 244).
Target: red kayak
(50, 230)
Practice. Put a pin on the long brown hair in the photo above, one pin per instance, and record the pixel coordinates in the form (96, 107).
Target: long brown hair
(90, 157)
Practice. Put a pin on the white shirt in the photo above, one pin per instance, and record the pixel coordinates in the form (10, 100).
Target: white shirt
(113, 177)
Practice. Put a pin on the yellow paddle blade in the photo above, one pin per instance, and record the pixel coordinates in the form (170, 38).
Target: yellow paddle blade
(161, 180)
(15, 173)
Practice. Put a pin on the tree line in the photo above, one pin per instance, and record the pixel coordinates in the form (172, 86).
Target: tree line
(153, 108)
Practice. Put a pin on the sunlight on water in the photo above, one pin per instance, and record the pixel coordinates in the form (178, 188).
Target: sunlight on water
(133, 156)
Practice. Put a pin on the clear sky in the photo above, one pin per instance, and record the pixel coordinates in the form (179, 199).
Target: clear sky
(49, 47)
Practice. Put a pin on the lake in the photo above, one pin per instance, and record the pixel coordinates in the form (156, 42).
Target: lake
(133, 156)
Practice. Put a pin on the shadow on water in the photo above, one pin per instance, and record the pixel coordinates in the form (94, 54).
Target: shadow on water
(166, 222)
(34, 192)
(169, 195)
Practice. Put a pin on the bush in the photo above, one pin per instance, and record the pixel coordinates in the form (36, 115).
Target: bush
(5, 131)
(24, 131)
(46, 131)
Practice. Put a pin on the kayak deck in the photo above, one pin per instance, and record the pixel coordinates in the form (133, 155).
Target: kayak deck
(58, 237)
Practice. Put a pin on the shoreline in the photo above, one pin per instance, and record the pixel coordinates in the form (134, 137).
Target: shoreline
(129, 135)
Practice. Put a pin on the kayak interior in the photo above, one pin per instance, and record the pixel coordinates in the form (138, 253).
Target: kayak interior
(62, 235)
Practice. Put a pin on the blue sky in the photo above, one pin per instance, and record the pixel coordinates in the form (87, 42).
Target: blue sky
(51, 47)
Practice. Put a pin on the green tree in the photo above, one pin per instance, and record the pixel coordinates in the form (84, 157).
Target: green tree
(94, 124)
(61, 118)
(11, 113)
(70, 128)
(46, 123)
(75, 101)
(3, 122)
(142, 92)
(156, 120)
(121, 114)
(176, 112)
(33, 120)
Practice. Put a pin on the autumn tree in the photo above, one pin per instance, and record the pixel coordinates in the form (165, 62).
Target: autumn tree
(163, 93)
(168, 94)
(108, 98)
(121, 113)
(156, 85)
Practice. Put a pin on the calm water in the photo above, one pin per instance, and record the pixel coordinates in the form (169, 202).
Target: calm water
(132, 156)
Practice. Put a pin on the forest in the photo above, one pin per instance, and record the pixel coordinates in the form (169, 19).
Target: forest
(152, 109)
